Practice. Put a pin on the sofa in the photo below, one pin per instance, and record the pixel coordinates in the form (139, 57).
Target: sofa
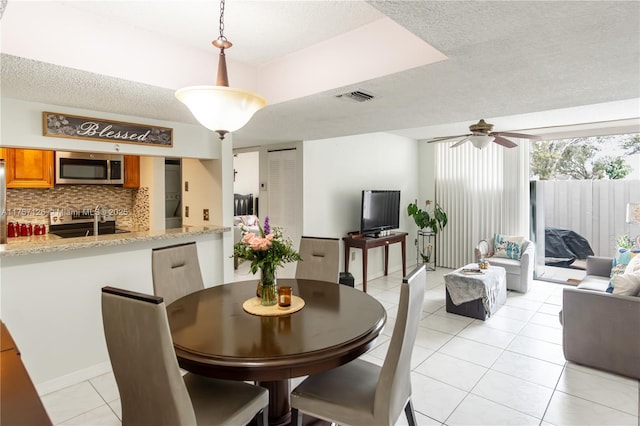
(599, 329)
(519, 272)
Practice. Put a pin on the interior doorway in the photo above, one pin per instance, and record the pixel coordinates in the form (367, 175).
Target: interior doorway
(172, 193)
(246, 178)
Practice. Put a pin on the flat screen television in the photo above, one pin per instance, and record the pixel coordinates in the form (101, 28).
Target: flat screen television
(380, 211)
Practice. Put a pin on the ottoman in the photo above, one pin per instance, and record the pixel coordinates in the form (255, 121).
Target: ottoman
(475, 293)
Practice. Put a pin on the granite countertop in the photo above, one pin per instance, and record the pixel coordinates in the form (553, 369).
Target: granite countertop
(48, 243)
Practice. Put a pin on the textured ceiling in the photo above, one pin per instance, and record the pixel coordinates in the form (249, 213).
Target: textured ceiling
(261, 31)
(505, 58)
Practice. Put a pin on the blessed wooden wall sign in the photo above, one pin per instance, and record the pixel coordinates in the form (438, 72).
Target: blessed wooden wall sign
(75, 127)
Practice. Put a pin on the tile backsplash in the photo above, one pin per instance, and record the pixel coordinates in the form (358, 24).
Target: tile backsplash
(30, 205)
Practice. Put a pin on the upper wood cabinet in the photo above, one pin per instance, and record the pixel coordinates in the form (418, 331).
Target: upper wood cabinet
(131, 171)
(28, 168)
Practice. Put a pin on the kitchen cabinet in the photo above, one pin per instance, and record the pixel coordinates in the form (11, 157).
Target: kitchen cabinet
(131, 171)
(28, 168)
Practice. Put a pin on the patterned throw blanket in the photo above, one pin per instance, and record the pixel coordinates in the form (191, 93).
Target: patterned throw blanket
(467, 287)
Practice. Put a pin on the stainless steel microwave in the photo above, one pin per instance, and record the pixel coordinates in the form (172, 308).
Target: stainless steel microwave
(89, 168)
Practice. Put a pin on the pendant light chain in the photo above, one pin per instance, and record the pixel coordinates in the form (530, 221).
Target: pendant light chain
(222, 37)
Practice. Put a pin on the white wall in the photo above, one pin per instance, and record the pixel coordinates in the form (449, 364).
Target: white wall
(247, 178)
(204, 192)
(426, 171)
(152, 177)
(22, 128)
(335, 173)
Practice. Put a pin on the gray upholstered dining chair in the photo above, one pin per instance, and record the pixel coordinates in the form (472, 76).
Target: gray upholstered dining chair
(152, 390)
(359, 392)
(320, 259)
(176, 271)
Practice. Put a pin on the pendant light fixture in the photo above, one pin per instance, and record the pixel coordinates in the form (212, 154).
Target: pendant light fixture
(221, 108)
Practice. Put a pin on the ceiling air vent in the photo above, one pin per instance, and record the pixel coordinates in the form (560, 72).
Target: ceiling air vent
(355, 96)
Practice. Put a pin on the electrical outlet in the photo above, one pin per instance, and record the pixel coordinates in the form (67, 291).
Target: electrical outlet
(186, 186)
(353, 255)
(205, 214)
(186, 211)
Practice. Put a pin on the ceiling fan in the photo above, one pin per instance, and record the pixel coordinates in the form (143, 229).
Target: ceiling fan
(481, 135)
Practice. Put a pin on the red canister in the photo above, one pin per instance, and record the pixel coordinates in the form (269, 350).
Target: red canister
(29, 229)
(36, 230)
(11, 229)
(23, 230)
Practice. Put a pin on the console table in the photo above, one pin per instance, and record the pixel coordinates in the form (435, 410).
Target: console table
(366, 243)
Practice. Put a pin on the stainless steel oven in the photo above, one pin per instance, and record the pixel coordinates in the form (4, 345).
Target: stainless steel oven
(89, 168)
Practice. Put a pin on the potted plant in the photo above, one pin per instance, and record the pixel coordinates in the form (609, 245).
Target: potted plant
(433, 216)
(624, 241)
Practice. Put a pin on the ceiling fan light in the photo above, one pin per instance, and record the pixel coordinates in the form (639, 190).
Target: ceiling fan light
(481, 141)
(219, 108)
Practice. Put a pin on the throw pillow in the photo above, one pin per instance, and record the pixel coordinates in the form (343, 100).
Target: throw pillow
(507, 246)
(627, 284)
(619, 265)
(633, 266)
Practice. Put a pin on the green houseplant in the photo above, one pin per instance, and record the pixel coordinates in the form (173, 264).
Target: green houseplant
(433, 216)
(624, 241)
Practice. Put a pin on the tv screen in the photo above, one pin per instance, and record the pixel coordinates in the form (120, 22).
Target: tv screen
(380, 211)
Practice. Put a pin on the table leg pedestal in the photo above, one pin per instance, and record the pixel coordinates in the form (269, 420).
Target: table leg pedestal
(279, 401)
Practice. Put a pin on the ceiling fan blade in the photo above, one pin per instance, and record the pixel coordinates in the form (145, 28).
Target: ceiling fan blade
(460, 142)
(504, 141)
(517, 135)
(445, 138)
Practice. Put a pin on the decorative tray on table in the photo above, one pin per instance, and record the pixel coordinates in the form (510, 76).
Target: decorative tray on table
(472, 271)
(254, 307)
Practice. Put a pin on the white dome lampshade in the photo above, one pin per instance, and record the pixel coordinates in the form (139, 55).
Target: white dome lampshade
(219, 108)
(481, 141)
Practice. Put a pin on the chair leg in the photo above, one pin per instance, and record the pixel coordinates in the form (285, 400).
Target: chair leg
(296, 417)
(411, 415)
(262, 418)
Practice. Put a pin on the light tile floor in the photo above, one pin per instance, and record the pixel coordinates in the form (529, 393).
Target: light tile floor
(507, 370)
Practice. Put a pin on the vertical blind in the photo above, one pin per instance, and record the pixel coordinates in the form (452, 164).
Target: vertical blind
(483, 192)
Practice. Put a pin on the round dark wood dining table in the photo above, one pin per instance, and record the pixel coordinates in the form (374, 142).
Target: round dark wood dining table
(214, 336)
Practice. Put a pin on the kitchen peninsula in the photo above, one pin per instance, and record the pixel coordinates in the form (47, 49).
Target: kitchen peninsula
(51, 243)
(50, 290)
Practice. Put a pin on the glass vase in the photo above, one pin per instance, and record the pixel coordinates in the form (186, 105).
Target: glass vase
(269, 287)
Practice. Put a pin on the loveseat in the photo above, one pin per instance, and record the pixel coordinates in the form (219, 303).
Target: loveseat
(520, 271)
(599, 329)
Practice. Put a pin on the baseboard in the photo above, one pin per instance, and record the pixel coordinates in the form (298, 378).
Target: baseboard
(72, 378)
